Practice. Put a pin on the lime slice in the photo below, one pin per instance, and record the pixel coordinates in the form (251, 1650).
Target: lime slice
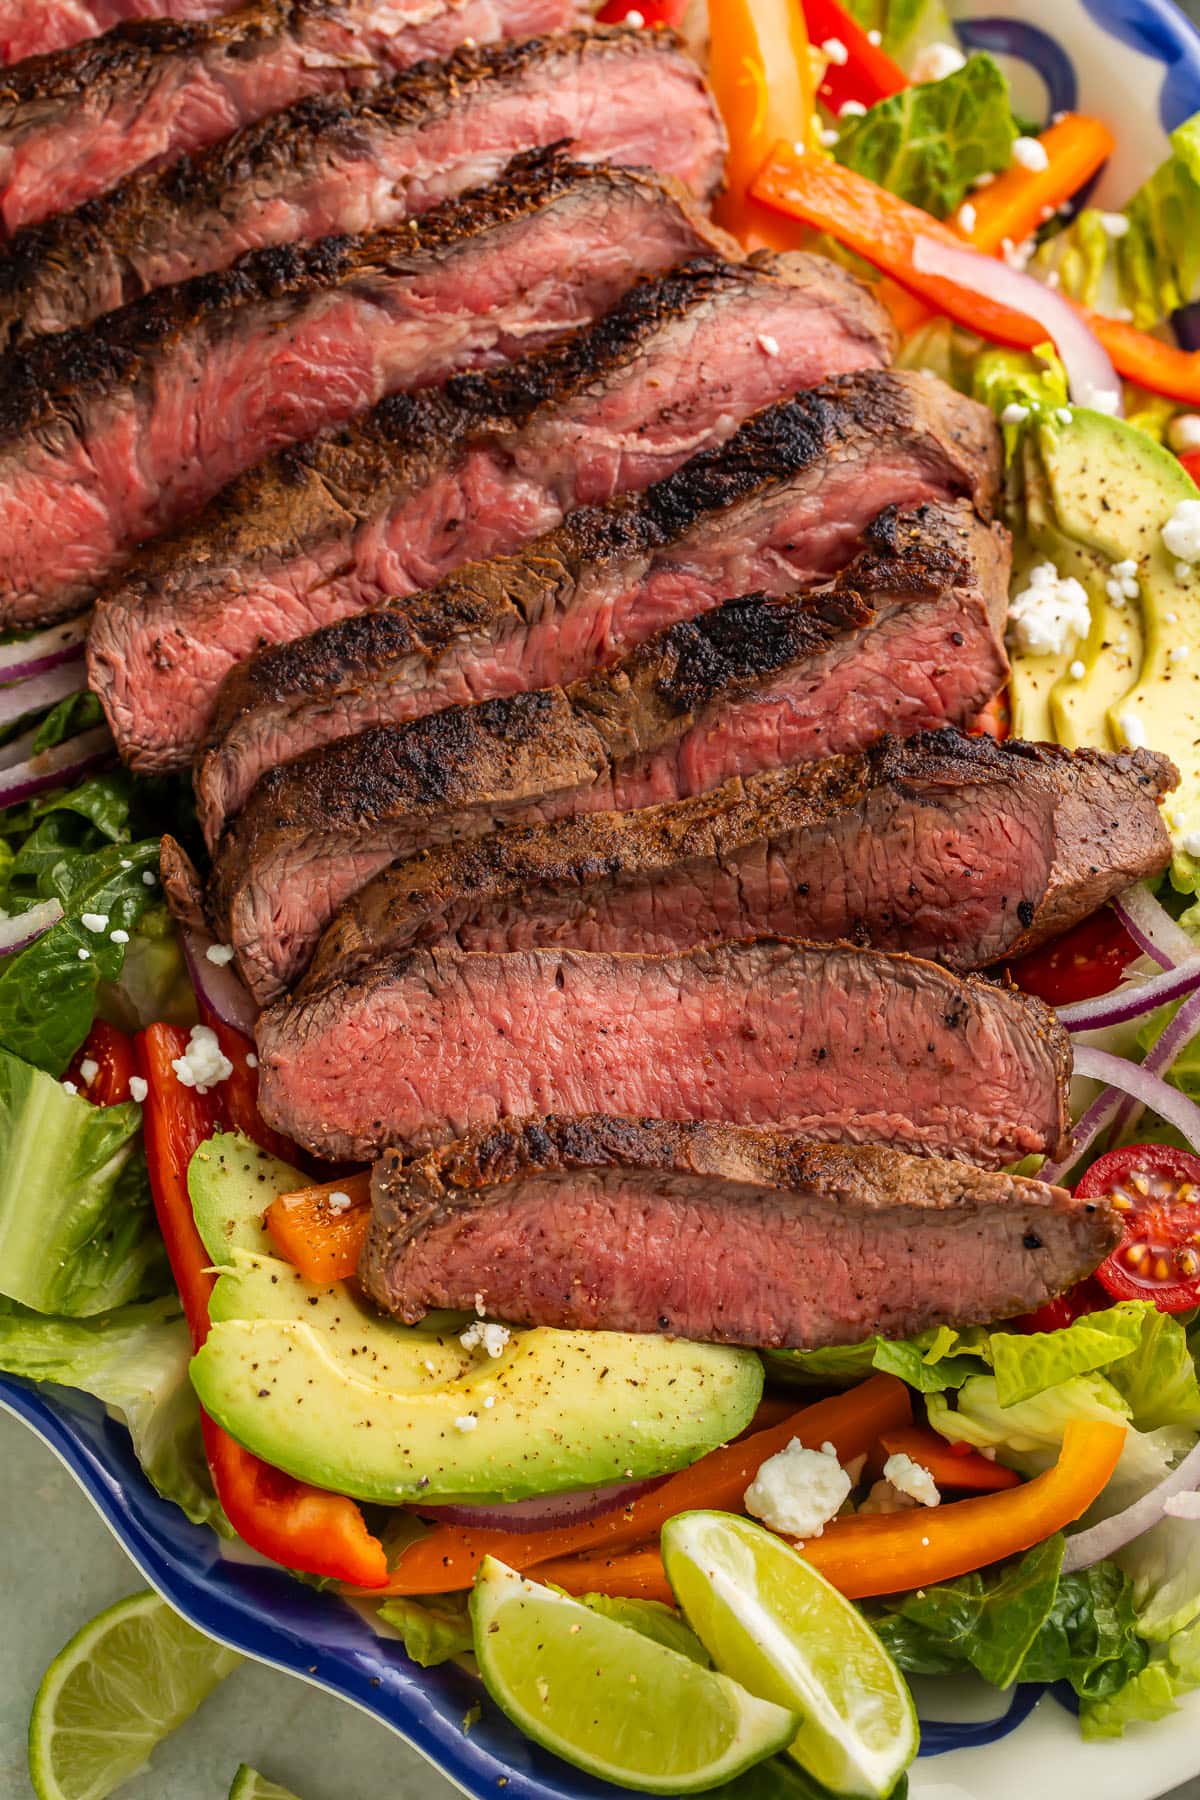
(610, 1700)
(248, 1784)
(119, 1687)
(767, 1618)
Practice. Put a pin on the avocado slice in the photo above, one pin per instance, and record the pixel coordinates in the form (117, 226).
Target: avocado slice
(318, 1383)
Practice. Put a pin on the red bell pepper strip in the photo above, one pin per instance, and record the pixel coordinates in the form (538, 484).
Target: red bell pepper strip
(112, 1052)
(867, 75)
(1191, 462)
(643, 12)
(239, 1091)
(300, 1526)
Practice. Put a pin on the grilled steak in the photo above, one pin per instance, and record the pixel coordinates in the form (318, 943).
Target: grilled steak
(114, 433)
(954, 848)
(836, 1044)
(425, 482)
(334, 164)
(752, 685)
(74, 124)
(35, 27)
(717, 1232)
(782, 503)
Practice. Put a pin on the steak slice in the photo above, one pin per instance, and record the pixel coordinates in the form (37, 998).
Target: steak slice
(74, 124)
(394, 501)
(954, 848)
(339, 163)
(717, 1232)
(836, 1044)
(35, 29)
(752, 685)
(780, 504)
(112, 434)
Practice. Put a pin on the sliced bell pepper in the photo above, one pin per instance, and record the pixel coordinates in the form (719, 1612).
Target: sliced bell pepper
(628, 1575)
(323, 1244)
(952, 1466)
(867, 75)
(1020, 200)
(885, 230)
(761, 75)
(644, 12)
(112, 1053)
(239, 1091)
(1191, 462)
(300, 1526)
(448, 1556)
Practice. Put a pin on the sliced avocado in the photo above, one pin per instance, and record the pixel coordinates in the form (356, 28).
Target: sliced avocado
(317, 1382)
(1111, 654)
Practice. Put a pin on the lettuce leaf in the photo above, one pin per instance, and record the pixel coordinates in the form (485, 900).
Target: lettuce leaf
(937, 1359)
(1150, 1695)
(135, 1360)
(433, 1630)
(905, 26)
(931, 142)
(77, 1229)
(1027, 1363)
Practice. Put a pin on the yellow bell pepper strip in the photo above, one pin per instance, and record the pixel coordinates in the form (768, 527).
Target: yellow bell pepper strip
(447, 1557)
(322, 1241)
(885, 230)
(761, 76)
(1014, 205)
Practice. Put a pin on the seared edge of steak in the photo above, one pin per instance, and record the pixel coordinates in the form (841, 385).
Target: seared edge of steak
(480, 1218)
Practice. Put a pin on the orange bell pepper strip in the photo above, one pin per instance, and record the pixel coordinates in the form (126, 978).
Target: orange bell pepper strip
(1014, 205)
(629, 1575)
(448, 1556)
(300, 1526)
(322, 1243)
(761, 75)
(951, 1466)
(886, 230)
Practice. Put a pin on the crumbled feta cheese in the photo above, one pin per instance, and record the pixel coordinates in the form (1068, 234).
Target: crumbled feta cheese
(89, 1068)
(468, 1422)
(84, 955)
(203, 1064)
(1123, 570)
(1182, 573)
(1183, 433)
(1171, 618)
(1051, 612)
(1017, 255)
(911, 1478)
(635, 18)
(1115, 591)
(965, 217)
(251, 1060)
(1014, 413)
(768, 344)
(798, 1491)
(1178, 653)
(984, 180)
(936, 61)
(149, 878)
(828, 137)
(884, 1498)
(1053, 278)
(138, 1088)
(1114, 225)
(96, 922)
(1132, 729)
(875, 37)
(219, 954)
(69, 1087)
(1063, 414)
(1030, 153)
(491, 1338)
(489, 1401)
(1181, 533)
(835, 52)
(851, 109)
(1078, 670)
(118, 936)
(125, 863)
(1191, 843)
(339, 1201)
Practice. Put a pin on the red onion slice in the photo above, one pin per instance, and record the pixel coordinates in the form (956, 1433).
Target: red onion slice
(41, 691)
(1142, 1085)
(65, 764)
(22, 929)
(1091, 378)
(1174, 1040)
(544, 1511)
(1153, 929)
(44, 650)
(1131, 999)
(1098, 1117)
(218, 984)
(1098, 1541)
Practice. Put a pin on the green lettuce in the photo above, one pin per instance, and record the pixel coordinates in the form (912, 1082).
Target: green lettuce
(931, 142)
(77, 1229)
(905, 26)
(433, 1630)
(936, 1359)
(1034, 379)
(135, 1360)
(1174, 1669)
(1027, 1363)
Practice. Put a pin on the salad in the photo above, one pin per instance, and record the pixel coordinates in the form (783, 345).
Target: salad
(803, 1529)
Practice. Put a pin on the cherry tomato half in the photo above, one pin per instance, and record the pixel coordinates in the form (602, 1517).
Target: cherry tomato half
(1157, 1191)
(112, 1053)
(1085, 1297)
(1087, 960)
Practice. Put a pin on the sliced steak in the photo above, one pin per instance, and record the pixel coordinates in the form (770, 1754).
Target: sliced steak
(836, 1044)
(954, 848)
(394, 501)
(718, 1233)
(112, 434)
(782, 503)
(35, 27)
(333, 164)
(752, 685)
(74, 124)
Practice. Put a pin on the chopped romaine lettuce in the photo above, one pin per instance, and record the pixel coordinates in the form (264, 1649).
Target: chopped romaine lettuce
(77, 1230)
(134, 1360)
(433, 1630)
(1027, 1363)
(1033, 380)
(936, 1359)
(930, 143)
(905, 26)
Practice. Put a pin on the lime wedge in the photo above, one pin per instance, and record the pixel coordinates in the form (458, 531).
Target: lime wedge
(770, 1621)
(119, 1687)
(248, 1784)
(610, 1700)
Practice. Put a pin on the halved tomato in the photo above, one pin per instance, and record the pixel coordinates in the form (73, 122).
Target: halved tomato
(1087, 960)
(1085, 1297)
(1157, 1190)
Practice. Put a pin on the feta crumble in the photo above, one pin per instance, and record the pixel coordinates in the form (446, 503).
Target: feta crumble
(89, 1068)
(1078, 670)
(339, 1201)
(1178, 654)
(767, 344)
(84, 955)
(220, 954)
(1029, 153)
(1017, 255)
(1113, 225)
(1183, 433)
(94, 922)
(936, 61)
(251, 1060)
(884, 1498)
(69, 1087)
(1182, 573)
(909, 1477)
(1181, 533)
(139, 1087)
(468, 1422)
(798, 1491)
(118, 936)
(1051, 612)
(829, 137)
(965, 217)
(835, 52)
(851, 109)
(875, 37)
(149, 878)
(1191, 843)
(1132, 729)
(203, 1064)
(481, 1335)
(1014, 413)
